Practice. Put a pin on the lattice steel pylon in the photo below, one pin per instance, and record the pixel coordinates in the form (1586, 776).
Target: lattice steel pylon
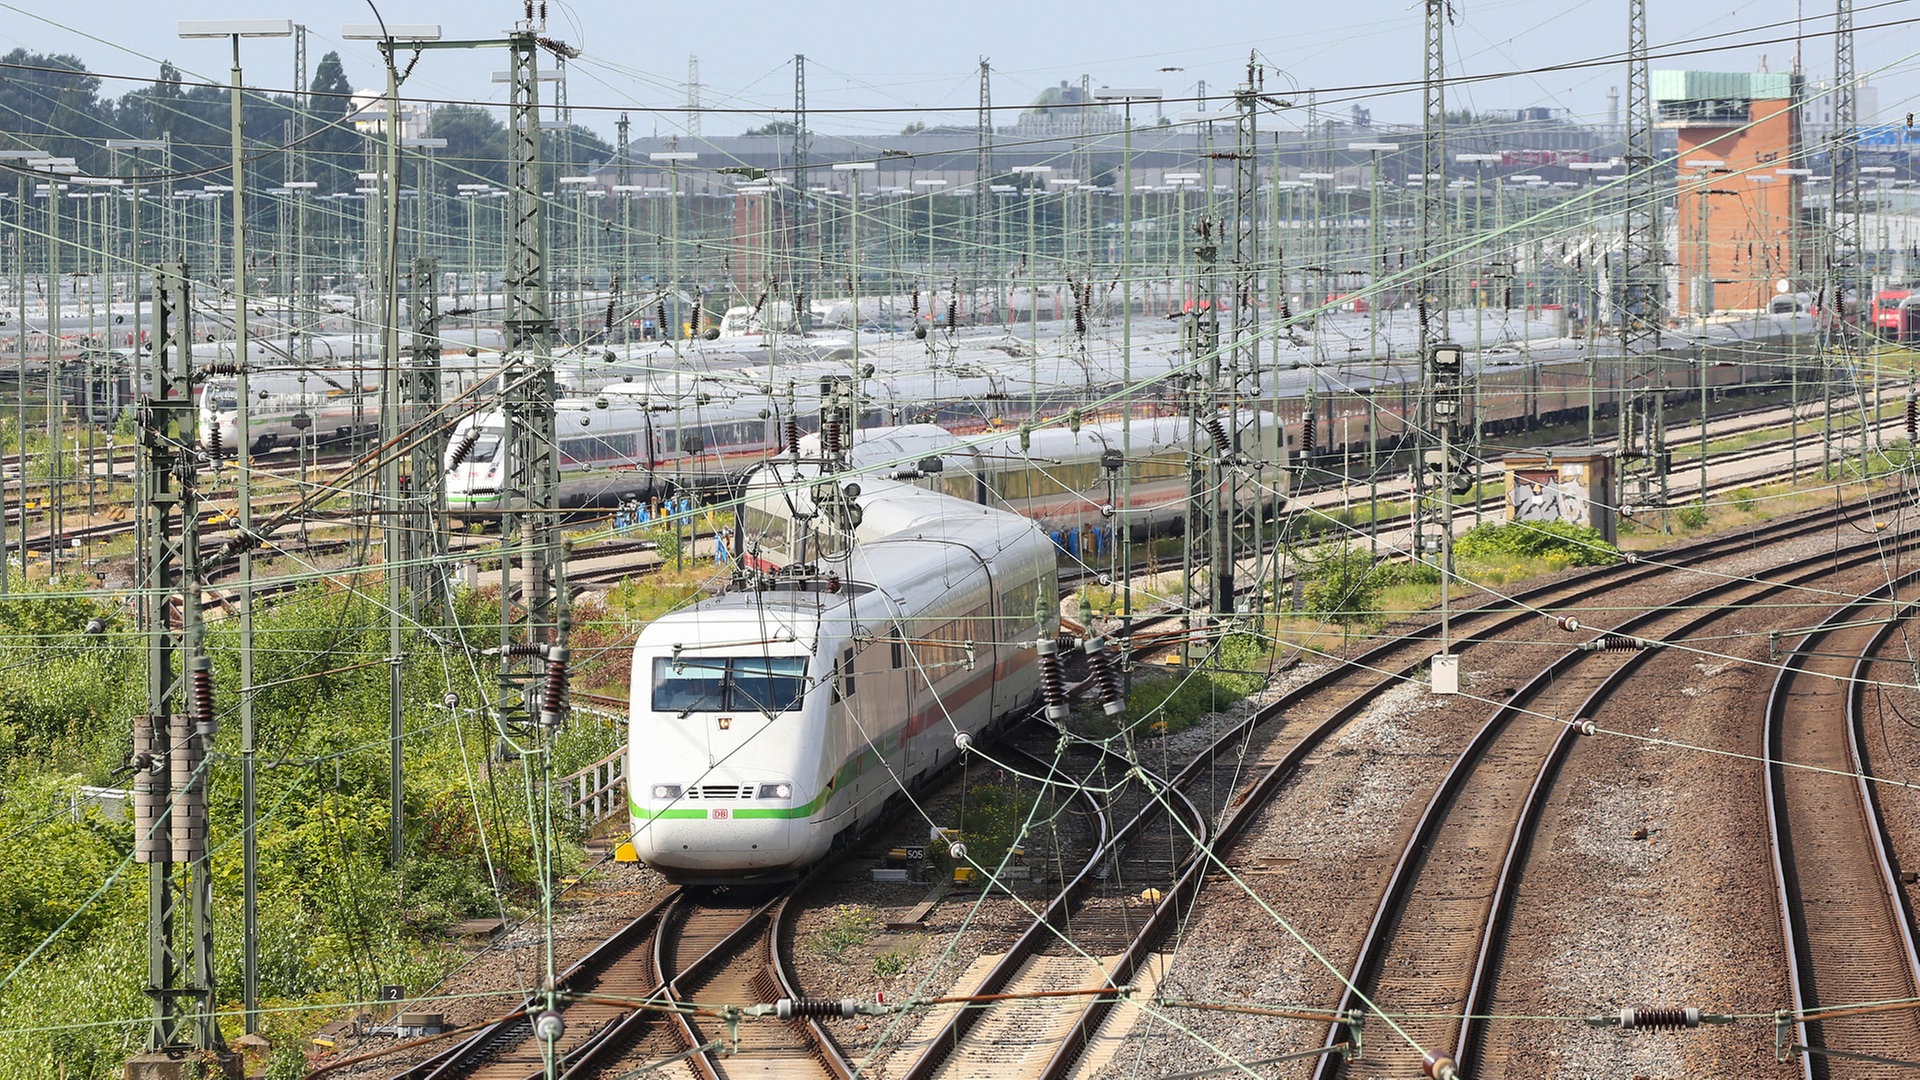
(983, 191)
(171, 738)
(533, 618)
(1845, 263)
(693, 94)
(1640, 297)
(798, 245)
(1429, 279)
(1243, 362)
(426, 487)
(1843, 228)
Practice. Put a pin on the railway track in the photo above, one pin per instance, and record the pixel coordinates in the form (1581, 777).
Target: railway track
(1182, 872)
(703, 979)
(508, 1047)
(1011, 1027)
(1844, 916)
(1340, 695)
(1434, 947)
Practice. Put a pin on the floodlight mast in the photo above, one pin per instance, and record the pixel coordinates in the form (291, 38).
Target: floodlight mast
(528, 523)
(206, 1029)
(393, 511)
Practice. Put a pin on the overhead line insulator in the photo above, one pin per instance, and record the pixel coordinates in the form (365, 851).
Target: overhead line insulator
(462, 448)
(1610, 642)
(1053, 689)
(1658, 1019)
(1113, 701)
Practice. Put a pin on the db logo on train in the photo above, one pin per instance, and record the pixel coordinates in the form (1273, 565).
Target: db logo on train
(719, 814)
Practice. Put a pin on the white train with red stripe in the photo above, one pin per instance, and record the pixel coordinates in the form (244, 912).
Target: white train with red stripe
(775, 721)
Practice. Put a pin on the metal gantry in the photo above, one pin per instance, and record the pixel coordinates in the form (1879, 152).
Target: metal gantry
(532, 611)
(426, 486)
(171, 737)
(1640, 298)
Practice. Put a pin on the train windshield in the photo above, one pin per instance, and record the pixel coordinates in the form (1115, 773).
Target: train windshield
(769, 684)
(487, 446)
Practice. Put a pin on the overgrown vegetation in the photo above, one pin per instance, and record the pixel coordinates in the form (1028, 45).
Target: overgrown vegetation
(848, 925)
(1343, 582)
(1237, 667)
(1557, 542)
(991, 819)
(346, 920)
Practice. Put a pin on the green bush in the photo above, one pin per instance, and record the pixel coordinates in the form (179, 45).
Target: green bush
(345, 918)
(1578, 545)
(1391, 574)
(890, 963)
(1692, 516)
(1238, 667)
(1341, 583)
(666, 541)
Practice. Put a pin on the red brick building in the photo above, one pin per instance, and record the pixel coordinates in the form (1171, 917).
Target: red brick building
(1735, 209)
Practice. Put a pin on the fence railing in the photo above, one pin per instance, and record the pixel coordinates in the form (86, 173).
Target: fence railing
(599, 791)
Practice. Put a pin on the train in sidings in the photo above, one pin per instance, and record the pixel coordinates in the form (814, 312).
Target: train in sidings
(1083, 485)
(641, 440)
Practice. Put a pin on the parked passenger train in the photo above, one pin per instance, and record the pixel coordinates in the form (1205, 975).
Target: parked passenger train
(650, 446)
(1081, 486)
(328, 384)
(772, 723)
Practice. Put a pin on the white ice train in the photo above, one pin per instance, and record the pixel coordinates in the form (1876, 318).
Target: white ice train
(702, 427)
(657, 435)
(771, 723)
(326, 384)
(1072, 483)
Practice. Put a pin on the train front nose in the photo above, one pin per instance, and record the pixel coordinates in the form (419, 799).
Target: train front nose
(716, 831)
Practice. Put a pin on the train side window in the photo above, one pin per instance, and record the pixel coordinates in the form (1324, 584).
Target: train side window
(893, 644)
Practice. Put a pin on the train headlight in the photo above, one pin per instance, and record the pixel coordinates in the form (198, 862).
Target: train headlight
(663, 792)
(776, 791)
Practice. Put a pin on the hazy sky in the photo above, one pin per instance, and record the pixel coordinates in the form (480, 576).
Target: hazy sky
(922, 59)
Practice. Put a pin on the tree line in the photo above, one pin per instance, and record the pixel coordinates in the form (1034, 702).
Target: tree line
(52, 103)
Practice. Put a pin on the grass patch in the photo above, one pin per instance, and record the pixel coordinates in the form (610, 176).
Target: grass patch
(642, 599)
(894, 962)
(847, 926)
